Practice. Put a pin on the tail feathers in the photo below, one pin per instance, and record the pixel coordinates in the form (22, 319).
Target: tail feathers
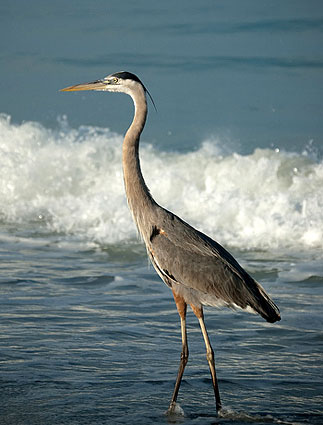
(265, 306)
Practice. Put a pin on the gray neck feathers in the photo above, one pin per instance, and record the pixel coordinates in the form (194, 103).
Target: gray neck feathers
(138, 196)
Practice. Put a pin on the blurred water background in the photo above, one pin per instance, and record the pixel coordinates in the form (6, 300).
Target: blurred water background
(89, 333)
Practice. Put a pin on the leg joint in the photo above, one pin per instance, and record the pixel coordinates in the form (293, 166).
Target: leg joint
(210, 355)
(184, 354)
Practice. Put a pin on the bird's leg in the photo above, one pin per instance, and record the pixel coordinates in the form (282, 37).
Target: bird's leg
(181, 307)
(198, 311)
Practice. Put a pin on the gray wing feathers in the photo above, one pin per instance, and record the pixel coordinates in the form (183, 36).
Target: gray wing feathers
(181, 254)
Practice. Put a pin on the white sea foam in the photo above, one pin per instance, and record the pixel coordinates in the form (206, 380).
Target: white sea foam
(70, 180)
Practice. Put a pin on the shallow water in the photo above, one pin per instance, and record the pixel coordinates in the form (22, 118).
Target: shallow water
(88, 332)
(92, 336)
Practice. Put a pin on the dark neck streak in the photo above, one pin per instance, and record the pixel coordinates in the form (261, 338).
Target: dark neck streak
(138, 196)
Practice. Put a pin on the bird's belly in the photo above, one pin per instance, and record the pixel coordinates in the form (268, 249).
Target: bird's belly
(197, 298)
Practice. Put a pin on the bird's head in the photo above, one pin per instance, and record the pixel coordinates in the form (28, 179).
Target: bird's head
(121, 82)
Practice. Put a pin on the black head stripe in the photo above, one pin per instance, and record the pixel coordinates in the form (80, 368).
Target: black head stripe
(127, 76)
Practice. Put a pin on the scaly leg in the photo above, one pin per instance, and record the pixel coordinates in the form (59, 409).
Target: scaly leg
(198, 311)
(181, 307)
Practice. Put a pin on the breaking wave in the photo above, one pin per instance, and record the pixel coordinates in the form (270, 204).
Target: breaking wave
(70, 181)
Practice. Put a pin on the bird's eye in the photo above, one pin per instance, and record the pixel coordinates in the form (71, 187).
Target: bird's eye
(115, 80)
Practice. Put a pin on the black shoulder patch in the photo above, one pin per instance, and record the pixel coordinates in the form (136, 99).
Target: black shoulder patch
(155, 232)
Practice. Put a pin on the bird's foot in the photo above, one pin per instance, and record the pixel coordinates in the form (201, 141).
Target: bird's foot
(175, 410)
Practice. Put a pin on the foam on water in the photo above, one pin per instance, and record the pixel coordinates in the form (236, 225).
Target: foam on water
(70, 181)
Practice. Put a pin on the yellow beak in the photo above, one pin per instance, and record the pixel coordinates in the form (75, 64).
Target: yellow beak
(94, 85)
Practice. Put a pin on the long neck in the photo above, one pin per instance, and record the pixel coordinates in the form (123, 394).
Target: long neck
(138, 196)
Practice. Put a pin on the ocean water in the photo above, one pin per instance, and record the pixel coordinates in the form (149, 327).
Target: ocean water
(88, 332)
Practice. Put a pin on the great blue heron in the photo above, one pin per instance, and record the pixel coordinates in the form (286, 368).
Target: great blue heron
(198, 270)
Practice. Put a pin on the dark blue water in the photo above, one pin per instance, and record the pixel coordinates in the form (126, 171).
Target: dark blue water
(88, 332)
(93, 337)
